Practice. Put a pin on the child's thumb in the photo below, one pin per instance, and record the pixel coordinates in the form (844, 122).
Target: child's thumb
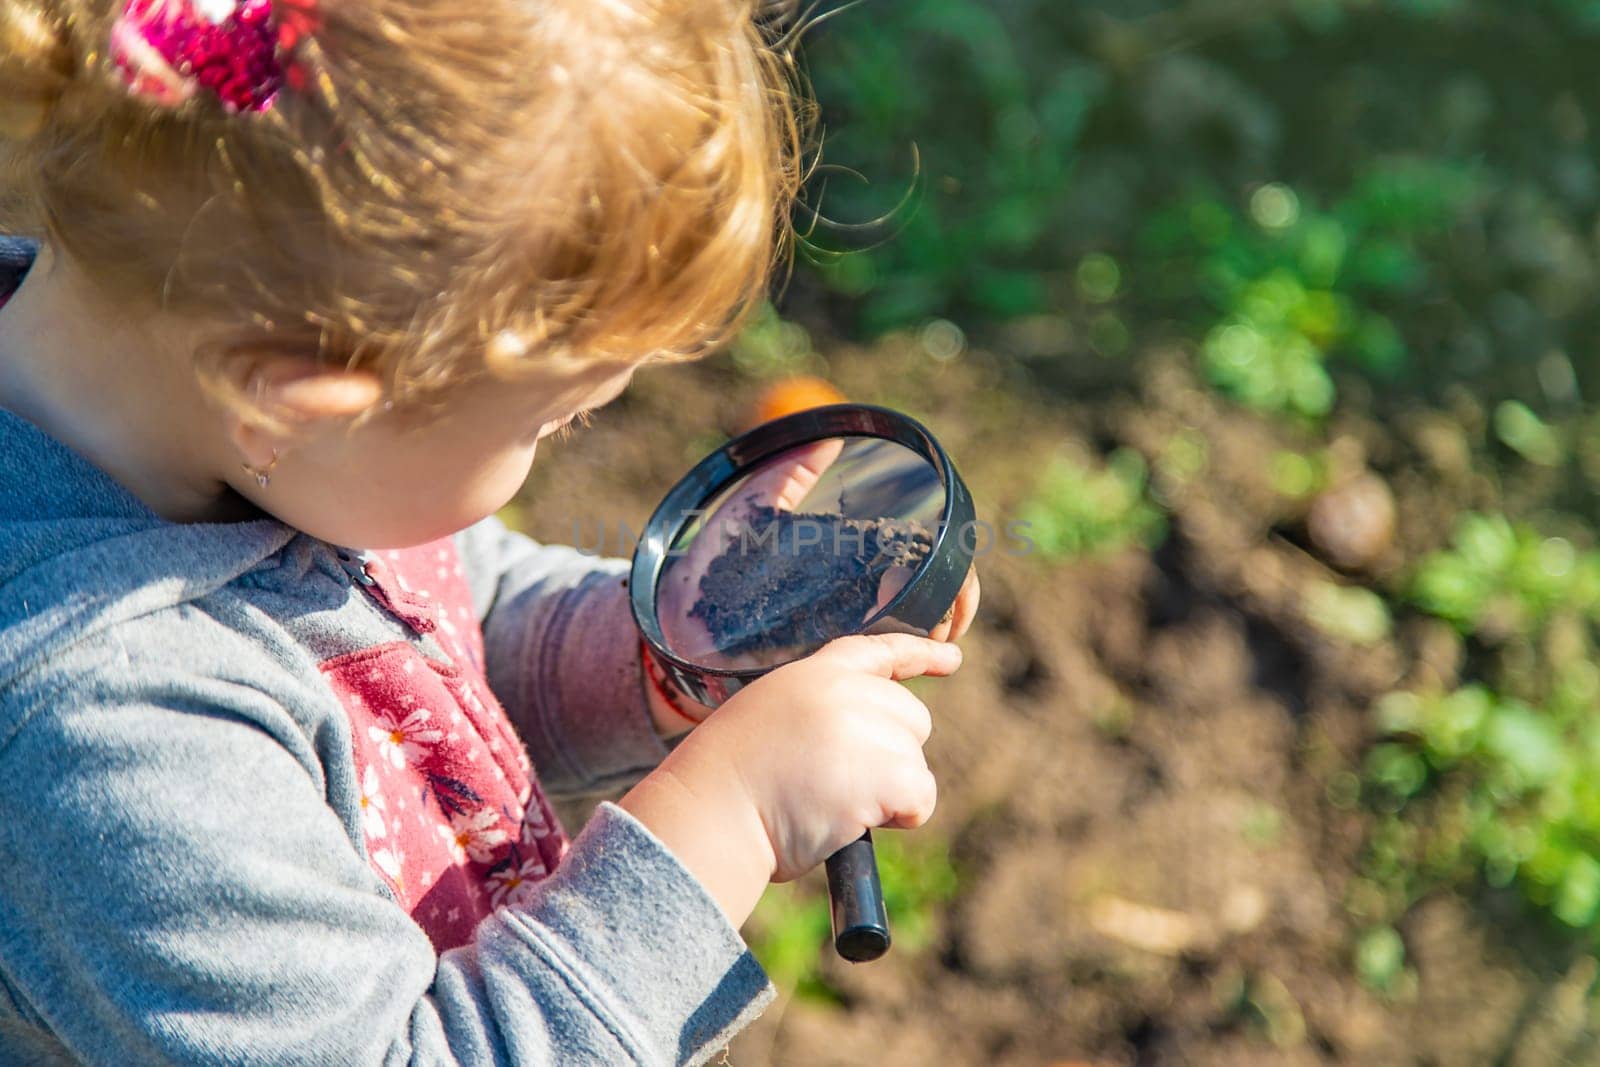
(896, 656)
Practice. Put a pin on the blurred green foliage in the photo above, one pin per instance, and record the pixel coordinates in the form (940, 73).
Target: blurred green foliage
(1297, 476)
(1515, 798)
(1083, 509)
(1404, 187)
(1348, 612)
(1381, 959)
(1496, 779)
(791, 930)
(770, 346)
(1288, 286)
(1506, 575)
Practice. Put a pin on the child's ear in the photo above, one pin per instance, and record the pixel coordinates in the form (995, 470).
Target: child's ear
(299, 395)
(303, 390)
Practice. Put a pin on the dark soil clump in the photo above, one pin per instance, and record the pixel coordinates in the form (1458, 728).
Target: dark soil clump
(802, 578)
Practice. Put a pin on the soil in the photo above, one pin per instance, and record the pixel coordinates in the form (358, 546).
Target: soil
(838, 564)
(1144, 763)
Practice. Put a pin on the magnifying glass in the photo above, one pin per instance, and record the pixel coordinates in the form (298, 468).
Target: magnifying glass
(846, 519)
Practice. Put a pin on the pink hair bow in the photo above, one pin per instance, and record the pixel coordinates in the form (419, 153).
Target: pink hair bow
(168, 50)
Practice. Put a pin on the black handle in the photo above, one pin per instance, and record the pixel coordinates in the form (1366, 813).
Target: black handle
(860, 922)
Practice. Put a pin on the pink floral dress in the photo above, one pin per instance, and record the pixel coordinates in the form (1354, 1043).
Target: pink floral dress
(455, 822)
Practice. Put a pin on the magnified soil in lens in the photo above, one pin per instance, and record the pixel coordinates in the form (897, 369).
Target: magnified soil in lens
(800, 579)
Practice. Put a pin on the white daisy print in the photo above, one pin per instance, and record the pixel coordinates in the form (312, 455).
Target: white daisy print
(406, 739)
(514, 885)
(372, 804)
(473, 835)
(534, 826)
(391, 861)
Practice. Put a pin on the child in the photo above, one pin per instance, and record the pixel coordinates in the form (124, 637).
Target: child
(304, 283)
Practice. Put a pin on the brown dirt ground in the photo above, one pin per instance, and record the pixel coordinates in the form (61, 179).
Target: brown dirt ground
(1135, 761)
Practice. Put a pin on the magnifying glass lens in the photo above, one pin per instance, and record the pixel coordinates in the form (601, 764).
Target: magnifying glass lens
(808, 545)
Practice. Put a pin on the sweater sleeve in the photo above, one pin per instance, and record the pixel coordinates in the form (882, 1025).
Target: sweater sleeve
(177, 889)
(562, 655)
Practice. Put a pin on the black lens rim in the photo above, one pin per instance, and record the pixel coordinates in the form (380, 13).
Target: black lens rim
(918, 608)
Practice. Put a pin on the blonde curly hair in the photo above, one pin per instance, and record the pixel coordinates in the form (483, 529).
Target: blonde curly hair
(444, 194)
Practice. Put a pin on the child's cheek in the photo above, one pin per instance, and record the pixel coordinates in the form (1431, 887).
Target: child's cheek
(499, 484)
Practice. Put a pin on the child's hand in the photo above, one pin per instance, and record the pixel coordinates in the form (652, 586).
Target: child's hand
(831, 745)
(961, 612)
(797, 765)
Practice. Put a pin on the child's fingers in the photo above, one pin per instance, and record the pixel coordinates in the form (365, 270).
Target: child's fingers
(900, 706)
(782, 484)
(798, 472)
(961, 613)
(919, 795)
(787, 478)
(894, 656)
(966, 608)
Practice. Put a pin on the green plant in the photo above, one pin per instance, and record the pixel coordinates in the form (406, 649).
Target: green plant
(791, 929)
(1295, 286)
(1380, 959)
(1524, 432)
(1082, 510)
(1496, 780)
(1350, 613)
(1494, 787)
(1508, 575)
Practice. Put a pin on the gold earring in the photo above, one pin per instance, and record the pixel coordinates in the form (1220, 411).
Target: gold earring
(262, 475)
